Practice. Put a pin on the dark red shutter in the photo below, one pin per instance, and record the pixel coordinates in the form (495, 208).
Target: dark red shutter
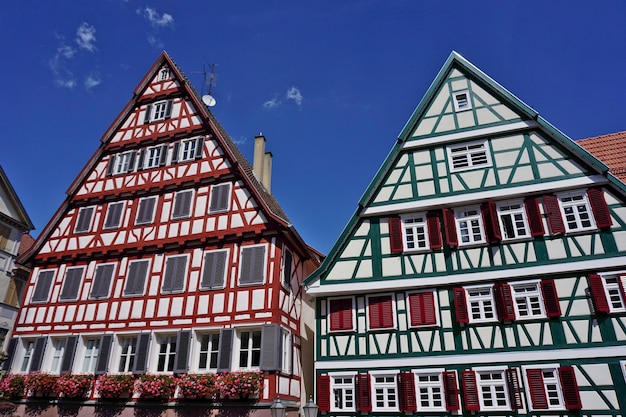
(451, 391)
(460, 305)
(490, 219)
(555, 220)
(550, 298)
(470, 391)
(537, 390)
(422, 307)
(380, 312)
(515, 390)
(504, 301)
(434, 230)
(364, 400)
(620, 282)
(406, 388)
(341, 314)
(599, 207)
(323, 393)
(395, 235)
(534, 216)
(596, 286)
(570, 388)
(449, 224)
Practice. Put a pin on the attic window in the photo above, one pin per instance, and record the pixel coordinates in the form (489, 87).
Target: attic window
(164, 74)
(461, 101)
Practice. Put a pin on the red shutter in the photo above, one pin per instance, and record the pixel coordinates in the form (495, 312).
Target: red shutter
(340, 314)
(504, 301)
(449, 224)
(570, 388)
(460, 305)
(550, 298)
(470, 391)
(364, 401)
(323, 393)
(406, 388)
(599, 207)
(422, 307)
(534, 216)
(555, 220)
(451, 391)
(490, 219)
(596, 286)
(380, 312)
(434, 230)
(395, 235)
(515, 390)
(537, 390)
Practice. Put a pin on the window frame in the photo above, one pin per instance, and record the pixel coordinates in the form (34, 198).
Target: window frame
(107, 225)
(66, 281)
(563, 206)
(188, 150)
(124, 162)
(245, 249)
(555, 380)
(618, 287)
(286, 263)
(341, 319)
(26, 351)
(53, 355)
(252, 351)
(80, 220)
(512, 212)
(93, 281)
(481, 300)
(180, 198)
(502, 383)
(461, 214)
(382, 324)
(429, 386)
(456, 149)
(89, 359)
(145, 221)
(164, 74)
(342, 387)
(211, 352)
(458, 107)
(127, 279)
(226, 252)
(173, 287)
(49, 285)
(126, 350)
(410, 229)
(158, 110)
(164, 346)
(153, 156)
(538, 292)
(215, 194)
(390, 389)
(410, 308)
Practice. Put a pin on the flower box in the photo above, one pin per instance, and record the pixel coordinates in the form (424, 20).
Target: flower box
(241, 385)
(12, 385)
(40, 384)
(198, 387)
(114, 386)
(74, 385)
(156, 387)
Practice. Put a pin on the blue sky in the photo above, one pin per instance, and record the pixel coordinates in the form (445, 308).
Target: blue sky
(330, 83)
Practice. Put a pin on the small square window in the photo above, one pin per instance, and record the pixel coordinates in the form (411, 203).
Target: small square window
(481, 304)
(462, 101)
(252, 266)
(381, 312)
(469, 225)
(123, 163)
(159, 110)
(422, 308)
(576, 211)
(492, 388)
(415, 232)
(42, 288)
(164, 74)
(528, 300)
(136, 278)
(71, 284)
(189, 149)
(430, 391)
(468, 155)
(153, 157)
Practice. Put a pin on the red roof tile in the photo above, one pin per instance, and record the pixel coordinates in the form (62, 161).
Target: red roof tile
(610, 149)
(25, 244)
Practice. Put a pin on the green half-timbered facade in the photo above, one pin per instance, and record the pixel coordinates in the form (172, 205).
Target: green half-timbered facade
(483, 272)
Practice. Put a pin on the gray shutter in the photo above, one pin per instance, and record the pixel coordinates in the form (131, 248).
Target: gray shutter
(214, 272)
(102, 281)
(114, 215)
(146, 118)
(174, 279)
(183, 340)
(163, 156)
(6, 365)
(111, 166)
(146, 209)
(182, 204)
(102, 364)
(175, 153)
(84, 219)
(38, 351)
(136, 278)
(71, 284)
(168, 109)
(224, 356)
(142, 156)
(252, 265)
(141, 355)
(199, 148)
(219, 198)
(42, 289)
(271, 348)
(68, 354)
(131, 161)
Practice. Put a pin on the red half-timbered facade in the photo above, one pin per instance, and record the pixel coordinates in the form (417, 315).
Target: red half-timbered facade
(168, 256)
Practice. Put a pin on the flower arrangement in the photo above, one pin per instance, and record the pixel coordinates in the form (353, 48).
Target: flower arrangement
(12, 385)
(74, 386)
(40, 383)
(242, 384)
(115, 385)
(198, 386)
(159, 387)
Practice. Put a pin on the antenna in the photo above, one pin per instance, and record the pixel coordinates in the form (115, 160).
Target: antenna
(209, 78)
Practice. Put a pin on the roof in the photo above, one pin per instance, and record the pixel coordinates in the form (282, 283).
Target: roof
(26, 243)
(610, 149)
(20, 218)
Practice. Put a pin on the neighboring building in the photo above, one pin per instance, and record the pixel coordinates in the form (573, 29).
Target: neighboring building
(169, 255)
(14, 224)
(482, 273)
(610, 149)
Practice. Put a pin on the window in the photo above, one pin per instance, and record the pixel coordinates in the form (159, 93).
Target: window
(481, 304)
(340, 314)
(422, 309)
(492, 390)
(415, 234)
(128, 347)
(167, 353)
(528, 300)
(14, 292)
(182, 204)
(469, 225)
(252, 266)
(286, 343)
(188, 149)
(5, 236)
(381, 312)
(576, 211)
(342, 388)
(84, 220)
(90, 356)
(136, 278)
(28, 348)
(209, 349)
(214, 272)
(287, 267)
(175, 273)
(71, 284)
(220, 198)
(114, 215)
(101, 283)
(164, 74)
(42, 288)
(552, 387)
(384, 390)
(430, 391)
(468, 155)
(249, 349)
(513, 223)
(145, 213)
(122, 163)
(608, 293)
(461, 101)
(153, 157)
(58, 346)
(159, 110)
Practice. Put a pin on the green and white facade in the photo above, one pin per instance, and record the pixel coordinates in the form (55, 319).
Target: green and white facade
(483, 272)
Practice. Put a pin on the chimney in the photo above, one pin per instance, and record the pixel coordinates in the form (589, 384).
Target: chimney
(262, 162)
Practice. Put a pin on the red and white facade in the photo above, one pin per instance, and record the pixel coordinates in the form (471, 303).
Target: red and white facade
(168, 256)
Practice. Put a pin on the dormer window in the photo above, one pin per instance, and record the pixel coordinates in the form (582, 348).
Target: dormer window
(461, 101)
(160, 110)
(164, 74)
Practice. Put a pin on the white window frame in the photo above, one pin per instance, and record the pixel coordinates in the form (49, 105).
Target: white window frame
(436, 307)
(613, 293)
(212, 350)
(415, 232)
(264, 267)
(119, 223)
(50, 287)
(153, 157)
(88, 354)
(287, 351)
(251, 350)
(554, 381)
(532, 300)
(216, 189)
(81, 212)
(387, 388)
(482, 302)
(126, 353)
(186, 215)
(516, 212)
(164, 74)
(346, 389)
(472, 153)
(165, 270)
(158, 110)
(122, 163)
(432, 389)
(53, 356)
(493, 387)
(151, 220)
(393, 309)
(164, 347)
(66, 282)
(27, 348)
(462, 104)
(187, 150)
(226, 272)
(145, 281)
(576, 216)
(352, 313)
(473, 219)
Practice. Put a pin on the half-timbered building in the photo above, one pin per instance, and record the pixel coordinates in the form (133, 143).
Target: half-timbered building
(482, 272)
(170, 255)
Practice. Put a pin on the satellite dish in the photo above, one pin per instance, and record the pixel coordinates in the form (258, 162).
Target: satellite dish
(208, 100)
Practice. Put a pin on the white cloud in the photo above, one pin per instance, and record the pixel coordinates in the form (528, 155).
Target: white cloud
(294, 94)
(271, 104)
(86, 37)
(92, 81)
(67, 83)
(153, 41)
(66, 51)
(155, 20)
(63, 77)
